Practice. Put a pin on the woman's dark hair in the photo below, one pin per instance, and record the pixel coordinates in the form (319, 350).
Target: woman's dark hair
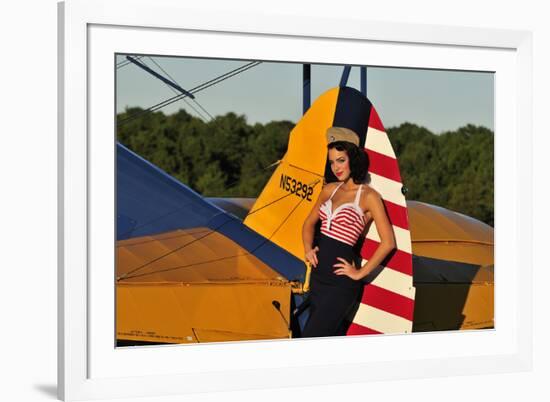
(358, 162)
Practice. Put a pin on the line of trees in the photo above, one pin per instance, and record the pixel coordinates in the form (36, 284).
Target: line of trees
(454, 170)
(227, 157)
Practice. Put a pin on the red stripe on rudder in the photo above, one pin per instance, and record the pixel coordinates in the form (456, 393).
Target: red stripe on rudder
(374, 120)
(388, 301)
(356, 329)
(397, 214)
(383, 165)
(398, 260)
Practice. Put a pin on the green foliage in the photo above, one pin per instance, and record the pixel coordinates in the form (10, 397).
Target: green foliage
(211, 180)
(453, 170)
(226, 157)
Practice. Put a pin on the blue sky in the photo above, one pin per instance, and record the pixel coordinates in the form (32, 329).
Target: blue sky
(440, 100)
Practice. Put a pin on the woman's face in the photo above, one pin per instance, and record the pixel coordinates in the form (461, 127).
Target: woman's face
(339, 163)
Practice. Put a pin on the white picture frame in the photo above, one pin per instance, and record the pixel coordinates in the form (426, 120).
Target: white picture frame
(90, 32)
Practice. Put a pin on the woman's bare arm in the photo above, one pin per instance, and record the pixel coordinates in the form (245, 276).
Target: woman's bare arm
(375, 207)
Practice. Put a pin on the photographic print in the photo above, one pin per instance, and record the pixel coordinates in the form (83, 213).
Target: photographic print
(261, 200)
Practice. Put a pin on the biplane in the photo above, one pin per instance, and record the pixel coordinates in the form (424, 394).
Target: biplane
(191, 269)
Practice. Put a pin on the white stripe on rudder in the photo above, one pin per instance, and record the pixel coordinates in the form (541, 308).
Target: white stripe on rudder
(394, 281)
(390, 190)
(381, 321)
(378, 141)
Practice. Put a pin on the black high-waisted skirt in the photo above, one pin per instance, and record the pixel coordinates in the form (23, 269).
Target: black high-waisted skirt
(334, 299)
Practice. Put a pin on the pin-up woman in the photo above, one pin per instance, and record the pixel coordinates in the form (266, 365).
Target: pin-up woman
(344, 208)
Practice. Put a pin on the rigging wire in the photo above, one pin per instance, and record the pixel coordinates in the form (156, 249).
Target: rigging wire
(205, 111)
(185, 100)
(183, 266)
(313, 184)
(151, 239)
(121, 64)
(186, 206)
(155, 220)
(198, 88)
(205, 85)
(176, 92)
(128, 275)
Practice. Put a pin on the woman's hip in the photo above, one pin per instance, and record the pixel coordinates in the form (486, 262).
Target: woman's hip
(329, 252)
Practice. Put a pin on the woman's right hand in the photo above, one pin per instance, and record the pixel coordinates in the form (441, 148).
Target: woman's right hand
(311, 256)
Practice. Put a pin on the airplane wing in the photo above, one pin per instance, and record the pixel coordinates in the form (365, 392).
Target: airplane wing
(150, 202)
(188, 271)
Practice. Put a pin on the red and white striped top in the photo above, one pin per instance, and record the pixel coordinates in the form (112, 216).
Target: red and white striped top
(346, 222)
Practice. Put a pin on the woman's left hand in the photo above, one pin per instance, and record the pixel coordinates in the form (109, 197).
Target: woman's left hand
(346, 268)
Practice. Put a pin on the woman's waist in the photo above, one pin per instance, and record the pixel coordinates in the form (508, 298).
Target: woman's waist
(336, 242)
(330, 249)
(345, 236)
(324, 273)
